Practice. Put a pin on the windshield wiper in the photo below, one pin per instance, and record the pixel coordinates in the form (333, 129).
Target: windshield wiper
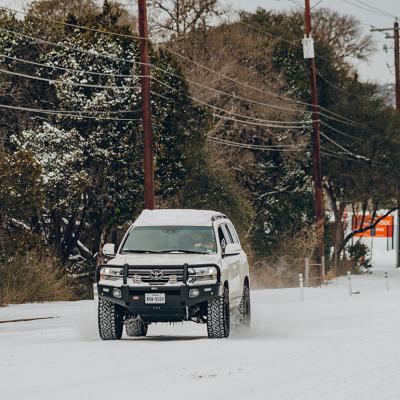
(140, 251)
(183, 251)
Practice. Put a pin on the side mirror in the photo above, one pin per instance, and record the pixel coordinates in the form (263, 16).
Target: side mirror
(232, 249)
(109, 249)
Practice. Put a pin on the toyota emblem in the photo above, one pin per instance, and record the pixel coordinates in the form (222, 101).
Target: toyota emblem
(156, 274)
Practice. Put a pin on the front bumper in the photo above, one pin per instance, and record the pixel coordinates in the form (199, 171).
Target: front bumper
(177, 301)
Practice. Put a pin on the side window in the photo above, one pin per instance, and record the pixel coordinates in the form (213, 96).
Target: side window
(228, 234)
(232, 233)
(221, 237)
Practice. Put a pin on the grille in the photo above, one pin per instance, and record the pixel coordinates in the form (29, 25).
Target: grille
(156, 276)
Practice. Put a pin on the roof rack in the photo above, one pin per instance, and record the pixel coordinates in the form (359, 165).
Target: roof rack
(218, 216)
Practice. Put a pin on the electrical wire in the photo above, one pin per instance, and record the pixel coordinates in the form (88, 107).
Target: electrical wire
(375, 8)
(280, 38)
(65, 82)
(91, 53)
(233, 119)
(259, 121)
(370, 9)
(332, 84)
(78, 71)
(62, 113)
(252, 147)
(251, 120)
(168, 72)
(54, 21)
(343, 148)
(340, 132)
(102, 55)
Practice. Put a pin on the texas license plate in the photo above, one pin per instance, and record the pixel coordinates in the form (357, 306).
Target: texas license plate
(155, 298)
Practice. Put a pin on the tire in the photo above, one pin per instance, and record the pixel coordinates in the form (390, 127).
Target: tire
(218, 316)
(136, 327)
(110, 319)
(243, 312)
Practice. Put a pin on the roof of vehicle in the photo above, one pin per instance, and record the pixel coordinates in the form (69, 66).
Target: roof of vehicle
(177, 217)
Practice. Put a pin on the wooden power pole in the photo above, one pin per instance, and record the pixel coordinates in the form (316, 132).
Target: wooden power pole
(149, 200)
(316, 139)
(396, 37)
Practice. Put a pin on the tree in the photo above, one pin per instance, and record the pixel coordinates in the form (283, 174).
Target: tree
(92, 164)
(180, 17)
(361, 171)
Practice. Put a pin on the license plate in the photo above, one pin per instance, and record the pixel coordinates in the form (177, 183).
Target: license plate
(155, 298)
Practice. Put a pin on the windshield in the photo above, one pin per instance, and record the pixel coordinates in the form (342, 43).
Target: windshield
(170, 239)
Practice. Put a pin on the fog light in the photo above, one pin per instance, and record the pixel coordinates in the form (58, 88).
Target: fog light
(194, 293)
(117, 293)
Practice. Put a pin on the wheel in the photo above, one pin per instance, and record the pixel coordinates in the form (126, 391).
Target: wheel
(136, 327)
(218, 316)
(243, 312)
(111, 320)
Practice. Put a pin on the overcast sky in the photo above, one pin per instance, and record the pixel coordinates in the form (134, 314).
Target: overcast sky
(376, 70)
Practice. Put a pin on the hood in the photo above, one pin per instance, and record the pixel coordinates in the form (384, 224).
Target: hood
(164, 259)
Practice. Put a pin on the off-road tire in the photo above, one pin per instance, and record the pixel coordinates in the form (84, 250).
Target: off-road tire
(110, 319)
(243, 312)
(136, 327)
(218, 316)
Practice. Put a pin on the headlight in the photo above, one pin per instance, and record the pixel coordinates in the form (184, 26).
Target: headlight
(110, 273)
(207, 274)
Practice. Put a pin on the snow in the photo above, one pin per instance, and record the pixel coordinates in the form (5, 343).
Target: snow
(184, 217)
(331, 346)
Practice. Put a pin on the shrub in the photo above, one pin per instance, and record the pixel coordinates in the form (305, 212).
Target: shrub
(32, 277)
(359, 255)
(282, 268)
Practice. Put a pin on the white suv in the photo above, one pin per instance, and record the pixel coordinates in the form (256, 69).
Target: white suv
(174, 265)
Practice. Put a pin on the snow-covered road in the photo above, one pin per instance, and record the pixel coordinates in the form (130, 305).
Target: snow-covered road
(331, 346)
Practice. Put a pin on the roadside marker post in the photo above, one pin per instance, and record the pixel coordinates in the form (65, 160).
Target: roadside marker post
(323, 272)
(349, 283)
(387, 281)
(307, 272)
(301, 287)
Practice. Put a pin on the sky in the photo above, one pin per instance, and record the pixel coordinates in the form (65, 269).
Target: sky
(380, 66)
(376, 69)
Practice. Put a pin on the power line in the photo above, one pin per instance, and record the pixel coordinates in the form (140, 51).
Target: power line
(133, 75)
(252, 147)
(280, 38)
(155, 67)
(252, 120)
(78, 71)
(233, 119)
(340, 132)
(373, 10)
(332, 155)
(62, 113)
(343, 148)
(54, 21)
(263, 122)
(163, 70)
(106, 56)
(248, 86)
(90, 53)
(65, 82)
(332, 84)
(24, 61)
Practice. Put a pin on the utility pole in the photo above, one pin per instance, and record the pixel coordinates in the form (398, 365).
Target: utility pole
(396, 37)
(316, 139)
(149, 201)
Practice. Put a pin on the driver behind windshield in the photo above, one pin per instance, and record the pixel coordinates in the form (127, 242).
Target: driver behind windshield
(204, 241)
